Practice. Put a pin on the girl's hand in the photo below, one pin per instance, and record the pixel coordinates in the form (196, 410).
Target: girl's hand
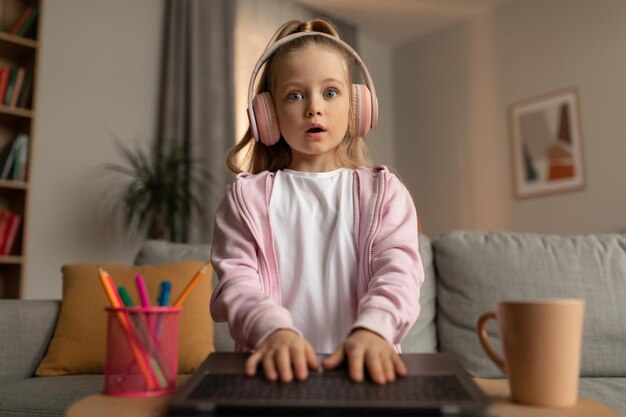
(364, 347)
(283, 354)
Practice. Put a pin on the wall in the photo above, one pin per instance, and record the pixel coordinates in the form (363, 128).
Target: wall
(378, 58)
(98, 77)
(452, 90)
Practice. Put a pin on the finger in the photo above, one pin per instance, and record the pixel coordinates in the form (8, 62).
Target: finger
(334, 360)
(356, 359)
(311, 357)
(399, 365)
(300, 369)
(269, 367)
(252, 363)
(375, 368)
(283, 362)
(388, 368)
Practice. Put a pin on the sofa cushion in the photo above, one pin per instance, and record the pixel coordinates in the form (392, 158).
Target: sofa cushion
(46, 396)
(26, 327)
(607, 391)
(79, 341)
(475, 270)
(155, 251)
(423, 335)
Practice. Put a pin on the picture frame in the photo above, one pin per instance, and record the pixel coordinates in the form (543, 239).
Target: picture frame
(546, 140)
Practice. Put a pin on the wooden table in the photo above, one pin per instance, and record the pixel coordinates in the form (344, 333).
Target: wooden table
(497, 389)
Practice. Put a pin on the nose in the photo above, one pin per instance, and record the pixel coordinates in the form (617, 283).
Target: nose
(313, 107)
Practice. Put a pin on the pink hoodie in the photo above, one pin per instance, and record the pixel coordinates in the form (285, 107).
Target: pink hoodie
(390, 270)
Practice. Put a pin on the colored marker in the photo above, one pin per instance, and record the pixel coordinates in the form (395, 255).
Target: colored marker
(164, 293)
(189, 287)
(142, 290)
(149, 316)
(128, 302)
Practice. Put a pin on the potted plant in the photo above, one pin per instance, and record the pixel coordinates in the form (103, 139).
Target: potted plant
(159, 192)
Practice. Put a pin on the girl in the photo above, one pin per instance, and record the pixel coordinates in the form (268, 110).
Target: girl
(314, 252)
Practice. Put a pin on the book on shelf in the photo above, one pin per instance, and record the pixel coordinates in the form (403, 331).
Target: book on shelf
(16, 161)
(19, 23)
(15, 83)
(9, 238)
(21, 159)
(30, 22)
(5, 219)
(6, 100)
(19, 82)
(9, 226)
(25, 21)
(14, 86)
(25, 95)
(4, 80)
(8, 162)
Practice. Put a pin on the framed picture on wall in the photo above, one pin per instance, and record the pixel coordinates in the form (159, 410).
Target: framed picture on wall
(547, 144)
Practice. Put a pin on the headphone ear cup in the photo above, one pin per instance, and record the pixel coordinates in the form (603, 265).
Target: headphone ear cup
(266, 119)
(361, 109)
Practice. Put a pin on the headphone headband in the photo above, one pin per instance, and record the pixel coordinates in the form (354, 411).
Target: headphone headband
(269, 51)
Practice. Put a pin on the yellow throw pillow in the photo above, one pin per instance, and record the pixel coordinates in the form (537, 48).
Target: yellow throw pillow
(79, 342)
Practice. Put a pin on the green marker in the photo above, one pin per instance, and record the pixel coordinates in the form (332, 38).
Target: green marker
(128, 302)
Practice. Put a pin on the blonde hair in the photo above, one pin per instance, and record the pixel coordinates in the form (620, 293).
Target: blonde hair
(352, 151)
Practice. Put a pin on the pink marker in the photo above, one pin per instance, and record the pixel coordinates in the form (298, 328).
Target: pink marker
(143, 291)
(147, 315)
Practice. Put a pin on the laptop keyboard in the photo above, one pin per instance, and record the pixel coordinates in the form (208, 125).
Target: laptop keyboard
(329, 388)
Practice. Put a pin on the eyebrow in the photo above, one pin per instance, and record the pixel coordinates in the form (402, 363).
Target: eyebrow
(324, 81)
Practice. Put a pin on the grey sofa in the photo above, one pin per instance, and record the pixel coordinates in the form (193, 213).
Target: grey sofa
(466, 274)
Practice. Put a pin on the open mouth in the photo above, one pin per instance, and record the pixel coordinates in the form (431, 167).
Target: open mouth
(315, 130)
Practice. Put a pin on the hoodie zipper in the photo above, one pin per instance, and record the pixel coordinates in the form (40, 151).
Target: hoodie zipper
(255, 236)
(379, 218)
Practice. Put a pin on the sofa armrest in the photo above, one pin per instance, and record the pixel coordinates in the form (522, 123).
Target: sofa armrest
(26, 327)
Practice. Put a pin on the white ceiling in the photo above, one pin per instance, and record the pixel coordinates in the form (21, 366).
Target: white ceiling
(394, 22)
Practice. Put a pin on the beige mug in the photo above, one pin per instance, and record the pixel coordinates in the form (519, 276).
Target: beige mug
(541, 342)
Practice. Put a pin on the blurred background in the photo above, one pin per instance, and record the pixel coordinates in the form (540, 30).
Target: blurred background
(447, 73)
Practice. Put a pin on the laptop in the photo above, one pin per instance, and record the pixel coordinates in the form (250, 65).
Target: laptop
(436, 384)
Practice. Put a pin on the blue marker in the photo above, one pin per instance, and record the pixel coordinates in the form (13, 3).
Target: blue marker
(164, 293)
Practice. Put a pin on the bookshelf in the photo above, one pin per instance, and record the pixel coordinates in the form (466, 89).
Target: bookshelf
(20, 26)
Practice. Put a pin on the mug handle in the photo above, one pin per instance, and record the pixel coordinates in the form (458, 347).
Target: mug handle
(481, 329)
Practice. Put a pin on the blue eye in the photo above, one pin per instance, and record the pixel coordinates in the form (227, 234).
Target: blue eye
(330, 93)
(295, 96)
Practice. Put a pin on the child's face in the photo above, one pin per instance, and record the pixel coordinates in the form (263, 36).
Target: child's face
(312, 97)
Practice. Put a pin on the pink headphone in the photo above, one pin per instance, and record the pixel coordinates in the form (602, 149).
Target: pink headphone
(262, 113)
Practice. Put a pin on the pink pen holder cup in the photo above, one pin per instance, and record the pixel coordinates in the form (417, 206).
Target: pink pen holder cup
(142, 351)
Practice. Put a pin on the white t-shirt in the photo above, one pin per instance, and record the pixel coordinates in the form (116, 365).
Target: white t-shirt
(312, 219)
